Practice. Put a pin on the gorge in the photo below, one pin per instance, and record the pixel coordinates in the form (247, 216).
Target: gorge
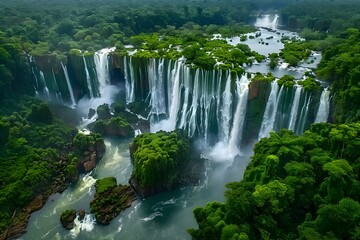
(228, 112)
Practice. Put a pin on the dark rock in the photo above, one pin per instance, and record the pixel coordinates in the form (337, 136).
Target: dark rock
(90, 164)
(81, 214)
(67, 219)
(91, 113)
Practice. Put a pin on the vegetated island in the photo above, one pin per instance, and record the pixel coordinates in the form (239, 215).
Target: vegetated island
(164, 161)
(110, 199)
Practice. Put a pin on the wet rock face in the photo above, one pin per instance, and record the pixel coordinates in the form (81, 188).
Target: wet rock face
(91, 156)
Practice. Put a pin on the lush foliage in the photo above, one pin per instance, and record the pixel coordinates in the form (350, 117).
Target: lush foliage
(29, 156)
(295, 51)
(113, 124)
(160, 157)
(82, 142)
(305, 187)
(287, 81)
(46, 27)
(110, 199)
(319, 18)
(340, 65)
(309, 84)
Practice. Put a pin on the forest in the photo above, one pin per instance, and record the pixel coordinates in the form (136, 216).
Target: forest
(296, 186)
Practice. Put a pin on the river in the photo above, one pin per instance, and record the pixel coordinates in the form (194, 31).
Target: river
(166, 215)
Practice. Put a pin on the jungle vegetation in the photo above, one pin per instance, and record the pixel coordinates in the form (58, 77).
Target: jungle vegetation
(295, 187)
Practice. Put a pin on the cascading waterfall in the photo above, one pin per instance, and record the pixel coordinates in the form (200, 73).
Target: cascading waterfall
(324, 107)
(294, 108)
(300, 126)
(275, 22)
(88, 80)
(239, 117)
(226, 113)
(46, 89)
(270, 110)
(194, 106)
(102, 67)
(157, 84)
(266, 22)
(186, 86)
(170, 124)
(213, 105)
(73, 103)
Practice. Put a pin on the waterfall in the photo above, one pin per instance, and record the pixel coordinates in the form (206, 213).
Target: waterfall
(226, 110)
(270, 110)
(185, 84)
(46, 89)
(303, 114)
(170, 124)
(294, 108)
(73, 103)
(56, 88)
(275, 21)
(102, 67)
(237, 127)
(88, 80)
(156, 85)
(266, 22)
(194, 106)
(324, 107)
(129, 80)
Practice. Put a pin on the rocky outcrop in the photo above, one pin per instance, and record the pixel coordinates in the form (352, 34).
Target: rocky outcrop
(116, 126)
(67, 219)
(110, 199)
(91, 157)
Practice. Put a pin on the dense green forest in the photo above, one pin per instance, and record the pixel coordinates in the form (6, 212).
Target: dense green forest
(296, 187)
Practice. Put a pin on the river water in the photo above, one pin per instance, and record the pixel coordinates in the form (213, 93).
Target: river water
(166, 215)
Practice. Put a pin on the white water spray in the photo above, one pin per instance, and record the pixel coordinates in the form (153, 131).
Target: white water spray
(102, 67)
(294, 108)
(270, 110)
(324, 107)
(73, 103)
(88, 80)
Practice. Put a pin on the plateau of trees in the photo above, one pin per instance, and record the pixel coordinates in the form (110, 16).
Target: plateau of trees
(159, 158)
(296, 187)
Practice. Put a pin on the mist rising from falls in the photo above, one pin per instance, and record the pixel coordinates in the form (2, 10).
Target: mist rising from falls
(218, 106)
(266, 22)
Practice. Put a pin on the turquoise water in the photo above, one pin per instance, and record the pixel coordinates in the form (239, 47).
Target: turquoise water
(164, 216)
